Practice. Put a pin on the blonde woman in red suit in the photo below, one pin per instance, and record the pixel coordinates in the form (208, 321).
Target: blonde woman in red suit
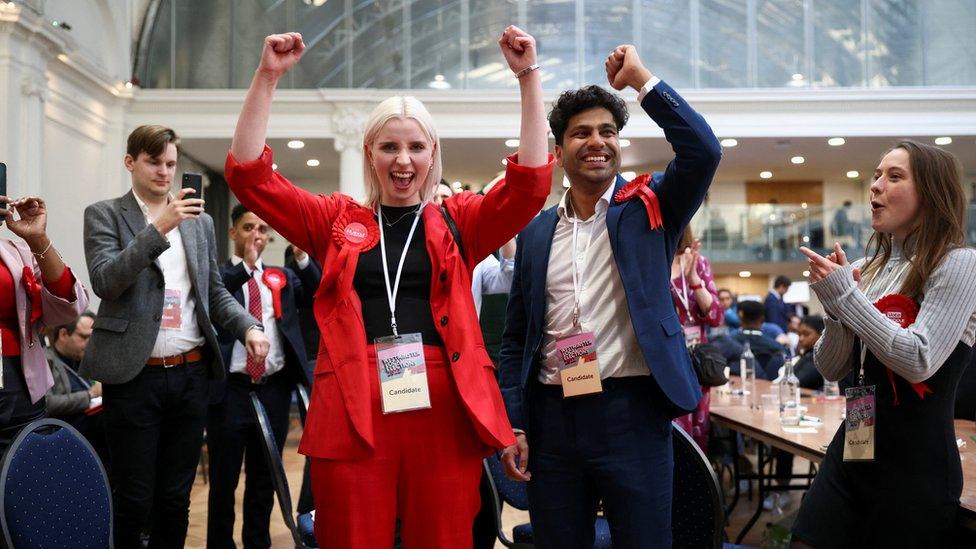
(392, 266)
(36, 289)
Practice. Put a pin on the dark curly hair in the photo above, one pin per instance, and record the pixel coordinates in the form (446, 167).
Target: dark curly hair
(573, 102)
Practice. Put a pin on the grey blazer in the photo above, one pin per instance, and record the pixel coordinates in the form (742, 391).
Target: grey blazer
(122, 250)
(61, 401)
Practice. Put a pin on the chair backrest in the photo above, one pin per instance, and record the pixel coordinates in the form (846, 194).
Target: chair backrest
(54, 491)
(697, 514)
(302, 402)
(511, 492)
(277, 468)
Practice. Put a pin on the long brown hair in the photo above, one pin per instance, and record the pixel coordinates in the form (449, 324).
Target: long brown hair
(942, 212)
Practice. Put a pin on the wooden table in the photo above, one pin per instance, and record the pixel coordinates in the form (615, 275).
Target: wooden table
(739, 414)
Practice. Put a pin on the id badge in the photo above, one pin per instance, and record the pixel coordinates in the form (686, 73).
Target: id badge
(403, 373)
(692, 335)
(579, 369)
(172, 310)
(859, 425)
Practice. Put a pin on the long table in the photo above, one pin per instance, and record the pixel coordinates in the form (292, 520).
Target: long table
(745, 414)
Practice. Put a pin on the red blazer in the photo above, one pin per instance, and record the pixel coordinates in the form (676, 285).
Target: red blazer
(339, 423)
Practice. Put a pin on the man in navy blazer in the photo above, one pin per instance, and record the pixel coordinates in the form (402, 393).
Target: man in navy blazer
(598, 266)
(233, 437)
(777, 311)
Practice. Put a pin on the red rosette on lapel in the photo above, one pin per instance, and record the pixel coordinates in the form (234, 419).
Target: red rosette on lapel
(640, 188)
(902, 310)
(275, 280)
(33, 290)
(354, 232)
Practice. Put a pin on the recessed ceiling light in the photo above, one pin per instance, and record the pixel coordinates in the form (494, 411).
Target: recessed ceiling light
(274, 166)
(853, 174)
(806, 273)
(63, 58)
(512, 143)
(943, 140)
(765, 175)
(312, 162)
(729, 142)
(798, 160)
(836, 141)
(504, 162)
(745, 274)
(628, 175)
(804, 205)
(797, 77)
(296, 144)
(624, 143)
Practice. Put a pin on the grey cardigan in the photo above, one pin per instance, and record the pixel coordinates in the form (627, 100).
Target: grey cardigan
(122, 250)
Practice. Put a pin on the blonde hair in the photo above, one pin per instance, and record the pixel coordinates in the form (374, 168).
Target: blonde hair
(401, 106)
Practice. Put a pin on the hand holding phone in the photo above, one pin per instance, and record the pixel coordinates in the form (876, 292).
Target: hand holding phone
(193, 181)
(3, 184)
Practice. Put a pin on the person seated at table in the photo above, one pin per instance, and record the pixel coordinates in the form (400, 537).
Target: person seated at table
(768, 352)
(811, 327)
(904, 320)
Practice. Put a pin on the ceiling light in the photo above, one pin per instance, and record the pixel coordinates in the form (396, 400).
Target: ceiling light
(624, 143)
(798, 160)
(729, 142)
(853, 174)
(296, 144)
(628, 175)
(745, 274)
(274, 166)
(797, 77)
(806, 273)
(765, 175)
(312, 162)
(504, 162)
(943, 140)
(439, 83)
(512, 143)
(803, 205)
(836, 141)
(128, 85)
(63, 58)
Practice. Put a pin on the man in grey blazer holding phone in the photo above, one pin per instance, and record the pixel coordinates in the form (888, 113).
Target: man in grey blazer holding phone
(152, 260)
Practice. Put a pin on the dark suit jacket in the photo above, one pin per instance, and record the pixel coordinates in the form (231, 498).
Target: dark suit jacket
(777, 311)
(643, 257)
(310, 276)
(122, 251)
(289, 333)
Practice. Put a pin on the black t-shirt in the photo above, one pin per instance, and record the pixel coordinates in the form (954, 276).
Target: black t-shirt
(413, 299)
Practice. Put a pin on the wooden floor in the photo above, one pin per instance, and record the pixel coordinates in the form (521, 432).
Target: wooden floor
(280, 538)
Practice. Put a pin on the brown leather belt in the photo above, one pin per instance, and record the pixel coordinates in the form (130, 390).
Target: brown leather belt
(193, 355)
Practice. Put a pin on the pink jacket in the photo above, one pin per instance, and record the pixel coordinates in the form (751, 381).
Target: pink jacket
(56, 311)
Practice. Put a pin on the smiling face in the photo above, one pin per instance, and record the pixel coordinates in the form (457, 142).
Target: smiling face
(590, 152)
(401, 157)
(894, 196)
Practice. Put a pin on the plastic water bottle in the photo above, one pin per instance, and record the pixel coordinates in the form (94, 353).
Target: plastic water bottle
(831, 390)
(789, 396)
(747, 371)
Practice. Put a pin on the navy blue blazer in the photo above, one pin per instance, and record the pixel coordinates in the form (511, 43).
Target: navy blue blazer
(289, 332)
(776, 310)
(643, 259)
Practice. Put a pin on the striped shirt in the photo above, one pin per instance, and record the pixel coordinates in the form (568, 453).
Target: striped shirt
(947, 317)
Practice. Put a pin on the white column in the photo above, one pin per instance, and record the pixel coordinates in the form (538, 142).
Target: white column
(348, 124)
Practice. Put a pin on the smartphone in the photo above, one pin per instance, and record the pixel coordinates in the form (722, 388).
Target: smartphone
(193, 181)
(3, 183)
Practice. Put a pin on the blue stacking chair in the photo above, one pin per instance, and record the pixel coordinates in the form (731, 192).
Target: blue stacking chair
(53, 490)
(277, 468)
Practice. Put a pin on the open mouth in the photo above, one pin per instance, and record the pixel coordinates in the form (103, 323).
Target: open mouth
(402, 180)
(876, 206)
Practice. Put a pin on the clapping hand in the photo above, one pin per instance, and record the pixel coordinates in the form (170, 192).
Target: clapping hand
(821, 267)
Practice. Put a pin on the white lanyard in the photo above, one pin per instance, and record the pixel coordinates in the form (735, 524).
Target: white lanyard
(391, 294)
(578, 276)
(891, 286)
(683, 294)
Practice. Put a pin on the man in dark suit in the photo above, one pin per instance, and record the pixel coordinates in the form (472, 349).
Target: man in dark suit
(309, 269)
(777, 311)
(598, 267)
(768, 352)
(152, 259)
(233, 436)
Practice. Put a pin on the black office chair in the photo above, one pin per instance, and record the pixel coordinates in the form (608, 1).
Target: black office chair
(54, 491)
(697, 512)
(277, 468)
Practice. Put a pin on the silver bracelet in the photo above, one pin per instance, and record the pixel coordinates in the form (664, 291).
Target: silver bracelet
(41, 255)
(527, 70)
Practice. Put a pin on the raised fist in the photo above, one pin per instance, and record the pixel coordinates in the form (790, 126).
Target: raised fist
(280, 53)
(518, 47)
(624, 68)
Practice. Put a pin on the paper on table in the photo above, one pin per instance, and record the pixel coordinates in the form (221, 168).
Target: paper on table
(799, 430)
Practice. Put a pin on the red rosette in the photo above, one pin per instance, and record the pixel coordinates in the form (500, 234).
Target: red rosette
(640, 187)
(356, 229)
(33, 290)
(275, 280)
(902, 310)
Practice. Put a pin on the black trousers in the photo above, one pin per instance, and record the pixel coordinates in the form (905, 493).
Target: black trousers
(154, 424)
(16, 408)
(233, 438)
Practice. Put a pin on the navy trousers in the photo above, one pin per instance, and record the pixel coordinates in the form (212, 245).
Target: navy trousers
(613, 447)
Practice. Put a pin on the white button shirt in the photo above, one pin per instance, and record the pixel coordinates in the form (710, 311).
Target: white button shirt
(276, 357)
(176, 276)
(603, 304)
(491, 276)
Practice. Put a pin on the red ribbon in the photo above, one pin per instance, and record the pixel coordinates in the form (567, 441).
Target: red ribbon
(275, 280)
(355, 230)
(640, 188)
(34, 295)
(901, 310)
